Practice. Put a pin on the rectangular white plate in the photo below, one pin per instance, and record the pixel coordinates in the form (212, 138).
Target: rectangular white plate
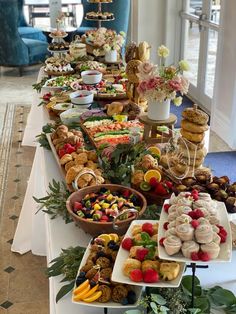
(111, 304)
(118, 275)
(225, 248)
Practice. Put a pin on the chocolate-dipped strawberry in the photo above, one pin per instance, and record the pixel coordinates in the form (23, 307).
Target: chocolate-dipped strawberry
(213, 188)
(221, 195)
(230, 204)
(223, 181)
(188, 181)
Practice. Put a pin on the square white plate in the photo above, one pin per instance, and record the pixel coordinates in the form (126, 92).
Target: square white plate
(118, 275)
(225, 248)
(110, 304)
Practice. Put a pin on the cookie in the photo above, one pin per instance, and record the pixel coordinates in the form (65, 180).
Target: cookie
(103, 262)
(119, 292)
(106, 294)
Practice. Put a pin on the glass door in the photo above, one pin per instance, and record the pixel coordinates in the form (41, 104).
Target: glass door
(199, 37)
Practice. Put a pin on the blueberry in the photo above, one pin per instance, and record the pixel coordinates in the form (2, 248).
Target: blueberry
(92, 283)
(82, 274)
(88, 215)
(80, 280)
(103, 190)
(124, 301)
(131, 297)
(115, 247)
(101, 254)
(110, 219)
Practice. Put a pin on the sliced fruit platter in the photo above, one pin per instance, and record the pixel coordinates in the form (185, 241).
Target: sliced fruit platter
(94, 286)
(59, 83)
(104, 129)
(138, 263)
(194, 228)
(68, 149)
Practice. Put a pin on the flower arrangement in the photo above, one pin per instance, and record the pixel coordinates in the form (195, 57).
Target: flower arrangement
(160, 82)
(105, 40)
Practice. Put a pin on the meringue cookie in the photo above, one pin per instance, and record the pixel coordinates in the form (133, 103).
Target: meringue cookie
(172, 245)
(182, 209)
(170, 231)
(204, 196)
(216, 238)
(172, 216)
(183, 219)
(204, 233)
(189, 247)
(185, 232)
(212, 248)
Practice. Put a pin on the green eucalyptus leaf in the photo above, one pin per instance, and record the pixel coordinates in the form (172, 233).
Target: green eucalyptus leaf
(187, 285)
(154, 307)
(203, 304)
(158, 299)
(219, 297)
(64, 291)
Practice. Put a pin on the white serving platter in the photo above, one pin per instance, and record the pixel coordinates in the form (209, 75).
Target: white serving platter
(225, 248)
(110, 304)
(122, 255)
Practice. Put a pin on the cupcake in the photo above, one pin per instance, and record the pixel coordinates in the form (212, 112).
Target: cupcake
(185, 232)
(212, 248)
(172, 245)
(183, 219)
(189, 247)
(204, 233)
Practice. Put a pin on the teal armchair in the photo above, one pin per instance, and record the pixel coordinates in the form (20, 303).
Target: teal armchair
(24, 29)
(14, 50)
(121, 10)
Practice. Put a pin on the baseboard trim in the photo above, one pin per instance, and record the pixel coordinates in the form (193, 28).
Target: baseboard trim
(220, 124)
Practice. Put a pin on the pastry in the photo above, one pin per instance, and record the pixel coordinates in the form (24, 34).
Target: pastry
(204, 233)
(119, 292)
(136, 229)
(106, 293)
(183, 219)
(212, 248)
(195, 115)
(172, 245)
(189, 247)
(133, 250)
(69, 164)
(193, 127)
(185, 232)
(72, 173)
(129, 265)
(115, 108)
(169, 270)
(150, 264)
(81, 159)
(92, 155)
(66, 158)
(192, 137)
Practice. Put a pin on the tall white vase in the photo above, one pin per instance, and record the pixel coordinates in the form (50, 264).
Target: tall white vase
(158, 110)
(111, 56)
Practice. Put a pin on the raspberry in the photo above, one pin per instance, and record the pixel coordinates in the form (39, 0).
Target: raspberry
(150, 275)
(195, 197)
(161, 241)
(194, 256)
(223, 231)
(198, 213)
(153, 182)
(165, 226)
(148, 227)
(195, 223)
(136, 275)
(204, 256)
(222, 237)
(194, 191)
(166, 207)
(127, 243)
(192, 214)
(141, 254)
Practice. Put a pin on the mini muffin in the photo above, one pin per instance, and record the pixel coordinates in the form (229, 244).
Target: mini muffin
(103, 262)
(119, 292)
(106, 294)
(131, 264)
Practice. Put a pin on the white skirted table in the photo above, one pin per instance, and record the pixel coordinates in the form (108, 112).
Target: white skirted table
(45, 237)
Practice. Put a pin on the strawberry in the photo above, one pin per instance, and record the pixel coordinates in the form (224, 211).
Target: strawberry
(223, 237)
(153, 182)
(198, 213)
(141, 254)
(222, 231)
(195, 223)
(136, 275)
(61, 152)
(194, 256)
(104, 218)
(78, 206)
(148, 227)
(150, 275)
(165, 226)
(161, 241)
(69, 148)
(126, 193)
(169, 184)
(160, 189)
(166, 207)
(127, 243)
(204, 256)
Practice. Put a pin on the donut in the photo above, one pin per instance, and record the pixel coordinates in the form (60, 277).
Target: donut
(195, 115)
(193, 127)
(132, 70)
(184, 144)
(192, 137)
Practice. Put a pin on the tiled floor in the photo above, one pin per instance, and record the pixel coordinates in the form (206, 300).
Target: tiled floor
(23, 284)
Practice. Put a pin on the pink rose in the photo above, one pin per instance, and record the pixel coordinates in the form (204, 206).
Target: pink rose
(142, 87)
(175, 85)
(151, 84)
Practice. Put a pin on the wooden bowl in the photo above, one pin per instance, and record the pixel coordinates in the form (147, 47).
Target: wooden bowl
(95, 227)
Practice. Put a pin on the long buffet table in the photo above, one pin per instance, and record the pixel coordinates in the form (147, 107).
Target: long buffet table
(45, 237)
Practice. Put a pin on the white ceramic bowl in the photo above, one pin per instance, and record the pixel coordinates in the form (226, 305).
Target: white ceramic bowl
(91, 77)
(71, 116)
(81, 97)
